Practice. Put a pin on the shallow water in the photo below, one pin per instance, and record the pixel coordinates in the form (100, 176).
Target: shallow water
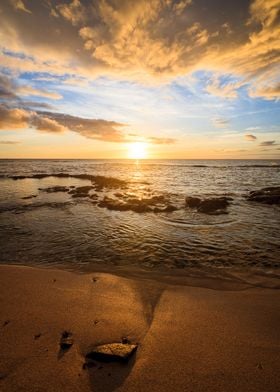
(56, 229)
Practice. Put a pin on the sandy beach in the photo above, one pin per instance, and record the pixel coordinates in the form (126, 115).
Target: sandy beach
(189, 338)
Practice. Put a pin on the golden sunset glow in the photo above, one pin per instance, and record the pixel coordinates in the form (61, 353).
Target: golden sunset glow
(191, 79)
(138, 150)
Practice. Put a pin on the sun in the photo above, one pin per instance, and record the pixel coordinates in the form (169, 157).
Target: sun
(137, 150)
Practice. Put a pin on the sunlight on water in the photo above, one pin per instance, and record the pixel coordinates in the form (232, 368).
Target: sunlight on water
(140, 221)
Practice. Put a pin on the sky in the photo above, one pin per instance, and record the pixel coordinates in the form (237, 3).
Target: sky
(168, 79)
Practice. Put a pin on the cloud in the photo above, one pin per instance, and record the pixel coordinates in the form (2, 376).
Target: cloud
(6, 88)
(9, 142)
(74, 12)
(13, 118)
(252, 128)
(97, 129)
(225, 90)
(9, 90)
(268, 143)
(156, 40)
(19, 5)
(46, 124)
(250, 138)
(160, 140)
(29, 90)
(221, 122)
(266, 92)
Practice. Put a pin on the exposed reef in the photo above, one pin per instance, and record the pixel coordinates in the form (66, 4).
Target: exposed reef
(99, 181)
(153, 204)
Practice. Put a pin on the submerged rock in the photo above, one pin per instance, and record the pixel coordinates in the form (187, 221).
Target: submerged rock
(168, 208)
(29, 197)
(270, 195)
(192, 202)
(209, 206)
(213, 205)
(81, 191)
(100, 181)
(53, 189)
(112, 352)
(153, 204)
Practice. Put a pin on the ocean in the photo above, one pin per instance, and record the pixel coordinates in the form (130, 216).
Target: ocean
(51, 227)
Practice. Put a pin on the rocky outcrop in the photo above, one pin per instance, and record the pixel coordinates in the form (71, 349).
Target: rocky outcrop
(81, 191)
(155, 204)
(270, 195)
(53, 189)
(99, 181)
(192, 202)
(216, 205)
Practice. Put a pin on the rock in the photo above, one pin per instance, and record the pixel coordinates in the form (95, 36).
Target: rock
(112, 352)
(209, 206)
(28, 197)
(53, 189)
(192, 202)
(213, 205)
(79, 195)
(270, 195)
(81, 191)
(168, 208)
(66, 340)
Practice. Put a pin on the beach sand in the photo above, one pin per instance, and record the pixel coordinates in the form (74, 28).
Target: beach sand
(190, 338)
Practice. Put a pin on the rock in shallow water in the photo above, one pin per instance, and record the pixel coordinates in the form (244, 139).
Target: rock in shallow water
(209, 206)
(112, 352)
(192, 202)
(270, 195)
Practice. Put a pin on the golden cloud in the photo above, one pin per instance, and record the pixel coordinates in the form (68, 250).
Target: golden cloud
(147, 40)
(250, 137)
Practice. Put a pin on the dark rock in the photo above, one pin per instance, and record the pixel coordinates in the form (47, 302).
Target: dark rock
(192, 202)
(136, 205)
(74, 195)
(6, 323)
(82, 189)
(54, 189)
(66, 340)
(112, 352)
(28, 197)
(37, 336)
(270, 195)
(170, 208)
(100, 181)
(209, 206)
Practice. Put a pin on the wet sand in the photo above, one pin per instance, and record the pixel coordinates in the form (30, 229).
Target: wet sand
(190, 338)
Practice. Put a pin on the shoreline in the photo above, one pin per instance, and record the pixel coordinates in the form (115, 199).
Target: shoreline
(221, 279)
(190, 338)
